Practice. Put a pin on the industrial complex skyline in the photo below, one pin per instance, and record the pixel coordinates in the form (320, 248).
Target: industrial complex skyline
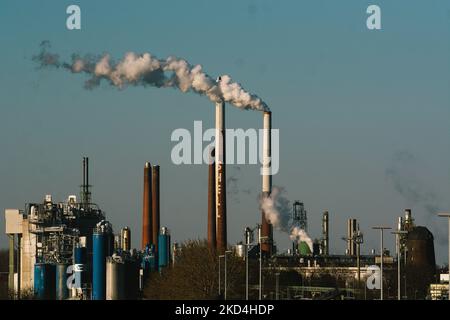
(362, 116)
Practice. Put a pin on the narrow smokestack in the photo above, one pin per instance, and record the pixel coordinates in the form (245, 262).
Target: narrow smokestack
(221, 202)
(155, 206)
(325, 234)
(147, 236)
(211, 202)
(266, 226)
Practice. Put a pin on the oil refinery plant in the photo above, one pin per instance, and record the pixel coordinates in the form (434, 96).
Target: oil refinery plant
(68, 250)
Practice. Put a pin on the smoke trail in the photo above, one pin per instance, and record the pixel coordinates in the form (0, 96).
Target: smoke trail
(233, 187)
(147, 70)
(277, 210)
(402, 172)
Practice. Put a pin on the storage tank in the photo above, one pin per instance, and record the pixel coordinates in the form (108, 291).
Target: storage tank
(115, 278)
(316, 248)
(420, 262)
(44, 281)
(99, 265)
(240, 250)
(80, 265)
(125, 239)
(164, 248)
(62, 291)
(109, 245)
(132, 271)
(303, 249)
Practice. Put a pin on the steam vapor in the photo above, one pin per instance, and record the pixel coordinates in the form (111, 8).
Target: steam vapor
(147, 70)
(277, 210)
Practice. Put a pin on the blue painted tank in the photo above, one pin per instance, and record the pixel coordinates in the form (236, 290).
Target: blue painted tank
(44, 281)
(98, 265)
(80, 262)
(163, 248)
(62, 291)
(80, 255)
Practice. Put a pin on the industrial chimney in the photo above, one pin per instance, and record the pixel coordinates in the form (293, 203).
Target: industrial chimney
(221, 203)
(325, 234)
(266, 226)
(147, 236)
(211, 202)
(155, 207)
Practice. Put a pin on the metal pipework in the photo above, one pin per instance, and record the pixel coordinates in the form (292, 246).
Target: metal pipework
(351, 232)
(147, 236)
(221, 203)
(266, 226)
(155, 207)
(325, 234)
(211, 202)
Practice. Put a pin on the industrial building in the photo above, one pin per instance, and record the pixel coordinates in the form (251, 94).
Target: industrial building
(68, 250)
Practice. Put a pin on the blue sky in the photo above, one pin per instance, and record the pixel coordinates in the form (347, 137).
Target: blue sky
(346, 101)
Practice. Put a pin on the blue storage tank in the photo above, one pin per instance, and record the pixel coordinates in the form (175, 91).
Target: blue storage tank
(81, 270)
(44, 281)
(98, 265)
(62, 291)
(80, 255)
(163, 248)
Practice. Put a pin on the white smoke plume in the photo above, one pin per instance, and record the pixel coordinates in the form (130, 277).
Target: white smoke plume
(277, 210)
(147, 70)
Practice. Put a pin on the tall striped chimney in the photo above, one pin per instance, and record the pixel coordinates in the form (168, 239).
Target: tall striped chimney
(211, 202)
(221, 203)
(266, 226)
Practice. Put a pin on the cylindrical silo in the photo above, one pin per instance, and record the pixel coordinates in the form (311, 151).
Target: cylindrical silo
(420, 260)
(115, 279)
(44, 281)
(125, 239)
(132, 269)
(98, 265)
(62, 291)
(164, 248)
(304, 249)
(80, 266)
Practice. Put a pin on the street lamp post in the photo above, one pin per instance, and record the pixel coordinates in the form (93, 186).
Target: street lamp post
(220, 291)
(225, 276)
(381, 256)
(248, 234)
(447, 215)
(399, 258)
(277, 286)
